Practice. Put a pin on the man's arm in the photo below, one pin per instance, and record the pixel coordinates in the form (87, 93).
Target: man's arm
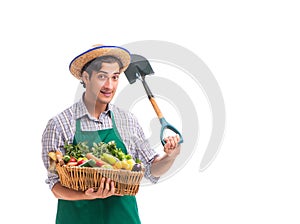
(161, 164)
(105, 190)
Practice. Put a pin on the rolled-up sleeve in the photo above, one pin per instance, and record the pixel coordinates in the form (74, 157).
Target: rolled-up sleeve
(145, 153)
(51, 141)
(148, 174)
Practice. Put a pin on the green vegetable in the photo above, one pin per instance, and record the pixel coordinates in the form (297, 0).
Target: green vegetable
(110, 148)
(107, 166)
(88, 163)
(109, 158)
(137, 160)
(66, 158)
(99, 149)
(117, 152)
(76, 151)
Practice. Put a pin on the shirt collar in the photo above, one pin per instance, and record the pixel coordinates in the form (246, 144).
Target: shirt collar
(81, 110)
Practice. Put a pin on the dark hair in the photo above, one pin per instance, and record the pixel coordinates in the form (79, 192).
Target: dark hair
(96, 65)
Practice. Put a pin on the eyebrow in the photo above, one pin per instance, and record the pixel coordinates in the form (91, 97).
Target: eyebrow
(104, 72)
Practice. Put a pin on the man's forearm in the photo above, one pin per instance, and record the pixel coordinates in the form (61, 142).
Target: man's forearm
(61, 192)
(161, 165)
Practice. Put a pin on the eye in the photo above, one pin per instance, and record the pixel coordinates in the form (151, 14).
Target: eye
(102, 77)
(115, 77)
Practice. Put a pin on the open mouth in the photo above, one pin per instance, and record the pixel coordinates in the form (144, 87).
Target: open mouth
(106, 93)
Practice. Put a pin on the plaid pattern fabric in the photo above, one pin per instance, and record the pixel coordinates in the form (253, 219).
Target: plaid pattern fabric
(61, 129)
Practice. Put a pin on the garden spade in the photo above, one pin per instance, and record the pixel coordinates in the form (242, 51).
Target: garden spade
(138, 69)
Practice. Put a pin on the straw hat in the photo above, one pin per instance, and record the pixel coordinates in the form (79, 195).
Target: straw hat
(78, 62)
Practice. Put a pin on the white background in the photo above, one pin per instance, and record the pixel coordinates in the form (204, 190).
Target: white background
(251, 47)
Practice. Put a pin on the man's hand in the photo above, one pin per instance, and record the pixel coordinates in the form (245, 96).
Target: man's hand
(106, 189)
(172, 148)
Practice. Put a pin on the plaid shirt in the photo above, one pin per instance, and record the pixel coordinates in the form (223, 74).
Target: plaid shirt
(61, 129)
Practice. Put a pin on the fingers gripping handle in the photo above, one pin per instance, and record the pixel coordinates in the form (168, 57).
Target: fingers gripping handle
(165, 125)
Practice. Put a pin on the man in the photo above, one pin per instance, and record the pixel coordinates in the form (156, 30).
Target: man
(93, 119)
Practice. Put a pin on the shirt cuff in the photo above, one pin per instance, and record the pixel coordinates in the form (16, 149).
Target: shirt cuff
(53, 178)
(148, 174)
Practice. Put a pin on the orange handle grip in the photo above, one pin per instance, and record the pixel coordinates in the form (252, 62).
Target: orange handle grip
(155, 106)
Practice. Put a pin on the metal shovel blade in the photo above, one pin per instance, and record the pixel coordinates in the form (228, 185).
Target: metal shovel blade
(139, 66)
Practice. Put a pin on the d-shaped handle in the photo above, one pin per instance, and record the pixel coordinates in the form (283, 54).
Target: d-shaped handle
(165, 125)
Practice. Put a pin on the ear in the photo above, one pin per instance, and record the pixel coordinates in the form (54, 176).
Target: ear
(85, 77)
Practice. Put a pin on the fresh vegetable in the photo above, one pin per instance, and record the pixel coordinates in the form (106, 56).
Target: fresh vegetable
(52, 156)
(76, 151)
(101, 154)
(81, 160)
(117, 152)
(66, 158)
(137, 167)
(92, 162)
(98, 160)
(100, 164)
(99, 149)
(107, 166)
(73, 159)
(72, 164)
(137, 160)
(118, 165)
(109, 158)
(125, 165)
(87, 163)
(110, 148)
(131, 163)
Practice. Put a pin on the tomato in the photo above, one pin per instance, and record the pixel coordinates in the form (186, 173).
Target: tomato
(81, 162)
(72, 159)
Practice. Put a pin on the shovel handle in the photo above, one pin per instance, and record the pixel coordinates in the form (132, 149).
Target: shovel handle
(156, 108)
(165, 125)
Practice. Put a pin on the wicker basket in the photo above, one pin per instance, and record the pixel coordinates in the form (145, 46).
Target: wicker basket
(82, 178)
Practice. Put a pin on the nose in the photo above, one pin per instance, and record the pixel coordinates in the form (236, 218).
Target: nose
(108, 83)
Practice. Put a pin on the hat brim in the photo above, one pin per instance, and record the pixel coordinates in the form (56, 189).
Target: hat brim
(78, 62)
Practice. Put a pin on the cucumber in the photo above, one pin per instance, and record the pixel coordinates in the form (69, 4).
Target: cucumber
(88, 163)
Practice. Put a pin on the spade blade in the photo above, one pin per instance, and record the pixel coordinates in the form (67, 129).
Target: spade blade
(139, 66)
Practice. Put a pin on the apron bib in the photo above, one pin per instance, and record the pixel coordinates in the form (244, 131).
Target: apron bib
(111, 210)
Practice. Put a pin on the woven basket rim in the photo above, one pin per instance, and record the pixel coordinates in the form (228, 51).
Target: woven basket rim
(82, 178)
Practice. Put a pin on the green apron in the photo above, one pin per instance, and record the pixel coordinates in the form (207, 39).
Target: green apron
(111, 210)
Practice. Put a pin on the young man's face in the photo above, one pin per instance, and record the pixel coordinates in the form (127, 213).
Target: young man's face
(103, 84)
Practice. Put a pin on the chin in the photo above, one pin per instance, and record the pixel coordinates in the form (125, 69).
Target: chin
(104, 100)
